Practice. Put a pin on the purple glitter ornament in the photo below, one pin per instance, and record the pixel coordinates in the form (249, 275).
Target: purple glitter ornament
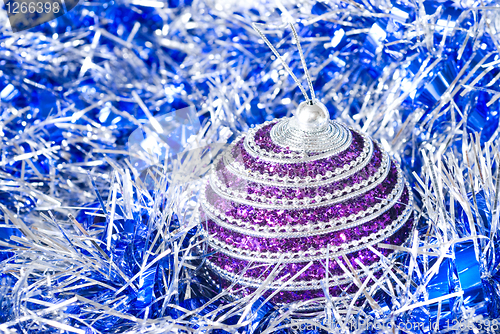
(306, 194)
(273, 208)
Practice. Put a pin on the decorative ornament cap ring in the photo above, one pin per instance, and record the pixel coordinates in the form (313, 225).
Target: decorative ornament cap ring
(311, 130)
(311, 116)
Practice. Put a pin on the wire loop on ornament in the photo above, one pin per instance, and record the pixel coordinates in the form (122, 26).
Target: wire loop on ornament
(302, 58)
(289, 70)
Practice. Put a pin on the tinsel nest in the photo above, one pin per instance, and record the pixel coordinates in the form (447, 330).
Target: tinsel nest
(111, 115)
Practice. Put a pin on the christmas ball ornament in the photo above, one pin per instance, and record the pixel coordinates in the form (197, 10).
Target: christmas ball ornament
(306, 200)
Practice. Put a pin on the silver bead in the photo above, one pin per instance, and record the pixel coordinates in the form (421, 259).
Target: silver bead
(310, 116)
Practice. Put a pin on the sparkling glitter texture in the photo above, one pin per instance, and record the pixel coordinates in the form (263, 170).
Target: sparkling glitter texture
(294, 208)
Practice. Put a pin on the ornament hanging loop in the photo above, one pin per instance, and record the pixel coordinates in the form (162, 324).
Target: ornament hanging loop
(311, 100)
(304, 65)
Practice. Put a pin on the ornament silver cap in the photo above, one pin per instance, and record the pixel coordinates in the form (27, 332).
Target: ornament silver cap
(310, 130)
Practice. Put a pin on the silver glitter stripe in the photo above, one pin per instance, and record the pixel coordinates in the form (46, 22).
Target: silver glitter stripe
(239, 168)
(266, 231)
(311, 229)
(297, 182)
(302, 204)
(294, 286)
(228, 192)
(303, 256)
(318, 306)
